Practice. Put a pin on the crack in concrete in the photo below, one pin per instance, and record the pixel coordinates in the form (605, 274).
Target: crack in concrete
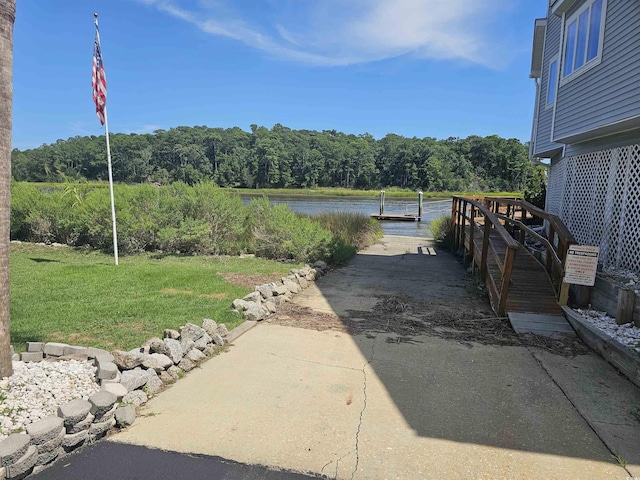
(575, 407)
(316, 363)
(364, 407)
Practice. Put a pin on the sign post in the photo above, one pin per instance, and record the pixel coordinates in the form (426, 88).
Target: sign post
(581, 265)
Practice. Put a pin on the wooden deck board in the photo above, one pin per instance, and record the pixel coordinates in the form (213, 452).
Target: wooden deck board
(530, 289)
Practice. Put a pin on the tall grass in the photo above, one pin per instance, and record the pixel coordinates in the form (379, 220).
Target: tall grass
(185, 220)
(442, 231)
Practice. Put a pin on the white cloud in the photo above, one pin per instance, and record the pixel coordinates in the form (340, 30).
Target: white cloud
(345, 32)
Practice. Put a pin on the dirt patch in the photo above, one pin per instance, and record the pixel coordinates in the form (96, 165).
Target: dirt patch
(175, 291)
(408, 319)
(215, 296)
(249, 281)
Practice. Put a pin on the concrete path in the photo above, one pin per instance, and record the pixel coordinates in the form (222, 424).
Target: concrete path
(385, 404)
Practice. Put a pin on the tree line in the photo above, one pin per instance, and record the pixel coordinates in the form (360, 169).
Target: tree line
(284, 158)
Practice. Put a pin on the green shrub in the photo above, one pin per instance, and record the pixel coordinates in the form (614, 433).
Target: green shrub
(280, 234)
(442, 231)
(354, 229)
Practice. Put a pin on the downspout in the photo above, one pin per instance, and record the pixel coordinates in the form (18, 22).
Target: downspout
(534, 127)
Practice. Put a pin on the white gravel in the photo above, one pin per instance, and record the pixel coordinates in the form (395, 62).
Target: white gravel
(37, 389)
(626, 334)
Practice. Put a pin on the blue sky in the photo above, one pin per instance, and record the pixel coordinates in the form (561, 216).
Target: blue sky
(425, 68)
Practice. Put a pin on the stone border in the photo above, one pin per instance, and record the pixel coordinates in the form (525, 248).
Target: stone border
(128, 379)
(621, 357)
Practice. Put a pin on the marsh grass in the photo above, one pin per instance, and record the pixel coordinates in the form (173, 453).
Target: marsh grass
(79, 297)
(442, 231)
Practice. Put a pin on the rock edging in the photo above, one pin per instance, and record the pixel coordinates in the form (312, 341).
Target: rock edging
(126, 379)
(264, 300)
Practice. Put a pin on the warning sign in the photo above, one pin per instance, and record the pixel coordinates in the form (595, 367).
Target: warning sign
(581, 265)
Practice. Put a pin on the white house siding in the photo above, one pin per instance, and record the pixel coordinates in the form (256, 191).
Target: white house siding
(609, 92)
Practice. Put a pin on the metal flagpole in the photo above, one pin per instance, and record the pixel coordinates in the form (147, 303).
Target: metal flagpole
(113, 205)
(106, 128)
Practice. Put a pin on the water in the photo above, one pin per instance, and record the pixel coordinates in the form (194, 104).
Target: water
(367, 206)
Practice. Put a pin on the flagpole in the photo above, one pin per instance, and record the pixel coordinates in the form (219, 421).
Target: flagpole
(113, 205)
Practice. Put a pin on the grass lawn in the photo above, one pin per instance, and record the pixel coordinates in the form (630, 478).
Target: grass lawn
(79, 297)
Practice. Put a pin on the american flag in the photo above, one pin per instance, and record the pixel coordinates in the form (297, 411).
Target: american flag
(99, 80)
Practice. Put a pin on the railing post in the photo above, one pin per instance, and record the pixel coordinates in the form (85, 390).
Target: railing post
(472, 225)
(462, 225)
(506, 278)
(485, 248)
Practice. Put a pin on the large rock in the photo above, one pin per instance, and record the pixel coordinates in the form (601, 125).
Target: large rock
(82, 425)
(290, 285)
(107, 371)
(117, 389)
(127, 360)
(102, 402)
(137, 398)
(45, 430)
(54, 349)
(99, 355)
(302, 281)
(222, 330)
(133, 379)
(170, 333)
(191, 332)
(203, 341)
(270, 306)
(154, 384)
(22, 466)
(187, 344)
(209, 326)
(49, 456)
(241, 305)
(74, 412)
(156, 345)
(52, 444)
(174, 350)
(174, 371)
(321, 265)
(266, 290)
(72, 441)
(157, 362)
(218, 340)
(125, 415)
(253, 297)
(97, 430)
(281, 290)
(13, 448)
(195, 355)
(255, 312)
(186, 364)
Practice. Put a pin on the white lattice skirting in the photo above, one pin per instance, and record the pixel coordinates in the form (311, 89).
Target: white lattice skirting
(597, 195)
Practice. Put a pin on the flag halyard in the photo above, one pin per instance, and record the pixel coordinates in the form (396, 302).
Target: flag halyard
(99, 80)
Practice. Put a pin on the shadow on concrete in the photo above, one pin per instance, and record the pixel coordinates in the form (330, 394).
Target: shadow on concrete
(454, 370)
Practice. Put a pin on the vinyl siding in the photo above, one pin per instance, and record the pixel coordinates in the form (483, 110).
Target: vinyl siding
(604, 143)
(609, 92)
(542, 140)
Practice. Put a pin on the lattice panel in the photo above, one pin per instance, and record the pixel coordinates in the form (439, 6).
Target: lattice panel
(597, 195)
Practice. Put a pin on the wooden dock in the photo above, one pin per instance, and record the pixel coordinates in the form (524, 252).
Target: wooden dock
(397, 217)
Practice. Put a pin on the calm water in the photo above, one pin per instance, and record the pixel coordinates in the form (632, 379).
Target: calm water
(367, 206)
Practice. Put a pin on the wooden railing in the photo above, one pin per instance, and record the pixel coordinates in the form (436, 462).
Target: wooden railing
(491, 262)
(516, 214)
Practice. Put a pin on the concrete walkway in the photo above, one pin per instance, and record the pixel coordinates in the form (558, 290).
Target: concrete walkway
(386, 405)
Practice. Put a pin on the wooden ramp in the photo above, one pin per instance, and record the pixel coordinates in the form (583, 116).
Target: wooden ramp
(520, 287)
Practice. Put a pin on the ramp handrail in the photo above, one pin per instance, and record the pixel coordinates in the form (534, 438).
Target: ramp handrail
(465, 210)
(558, 239)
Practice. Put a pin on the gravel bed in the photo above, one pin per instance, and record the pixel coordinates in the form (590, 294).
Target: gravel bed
(626, 334)
(37, 389)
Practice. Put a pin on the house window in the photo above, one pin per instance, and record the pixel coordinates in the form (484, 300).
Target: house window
(552, 81)
(583, 38)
